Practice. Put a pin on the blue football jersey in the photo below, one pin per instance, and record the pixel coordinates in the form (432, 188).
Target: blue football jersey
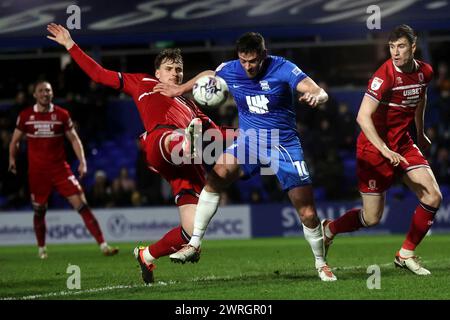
(266, 101)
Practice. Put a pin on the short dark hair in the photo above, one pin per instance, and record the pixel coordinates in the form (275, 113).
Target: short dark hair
(170, 54)
(401, 31)
(38, 82)
(251, 42)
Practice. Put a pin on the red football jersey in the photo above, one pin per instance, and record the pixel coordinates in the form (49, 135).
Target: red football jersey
(398, 94)
(154, 108)
(45, 135)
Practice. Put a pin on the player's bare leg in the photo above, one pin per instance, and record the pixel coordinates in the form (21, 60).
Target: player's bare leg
(224, 173)
(369, 215)
(302, 199)
(423, 183)
(40, 228)
(79, 203)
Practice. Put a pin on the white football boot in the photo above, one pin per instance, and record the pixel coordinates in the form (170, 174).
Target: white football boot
(325, 273)
(186, 254)
(412, 264)
(42, 253)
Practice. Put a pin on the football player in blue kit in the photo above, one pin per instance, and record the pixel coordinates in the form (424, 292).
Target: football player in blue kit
(264, 88)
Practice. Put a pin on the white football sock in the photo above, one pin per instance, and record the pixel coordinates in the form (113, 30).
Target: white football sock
(147, 256)
(103, 246)
(405, 253)
(315, 239)
(328, 232)
(207, 205)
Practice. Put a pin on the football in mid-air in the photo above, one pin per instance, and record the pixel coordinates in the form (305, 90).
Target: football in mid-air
(210, 91)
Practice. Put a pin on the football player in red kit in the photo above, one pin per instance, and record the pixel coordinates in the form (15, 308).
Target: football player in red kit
(396, 96)
(162, 117)
(45, 126)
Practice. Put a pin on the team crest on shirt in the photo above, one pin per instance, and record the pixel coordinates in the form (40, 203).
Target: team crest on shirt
(398, 81)
(32, 117)
(53, 117)
(376, 83)
(372, 184)
(421, 77)
(264, 85)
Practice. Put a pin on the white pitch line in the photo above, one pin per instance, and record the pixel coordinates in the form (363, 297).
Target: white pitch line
(78, 292)
(362, 267)
(161, 283)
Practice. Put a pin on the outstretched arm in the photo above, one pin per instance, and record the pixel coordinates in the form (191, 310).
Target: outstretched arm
(78, 149)
(13, 149)
(312, 94)
(172, 90)
(95, 71)
(364, 119)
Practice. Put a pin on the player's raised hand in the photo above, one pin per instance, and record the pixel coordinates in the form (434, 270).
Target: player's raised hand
(393, 157)
(60, 35)
(168, 89)
(309, 99)
(82, 169)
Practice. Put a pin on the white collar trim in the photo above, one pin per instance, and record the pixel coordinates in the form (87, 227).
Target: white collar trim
(51, 109)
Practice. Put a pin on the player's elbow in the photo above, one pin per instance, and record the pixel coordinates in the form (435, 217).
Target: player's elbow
(361, 120)
(324, 95)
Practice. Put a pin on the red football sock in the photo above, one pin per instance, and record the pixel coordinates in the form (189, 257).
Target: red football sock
(171, 242)
(349, 222)
(40, 228)
(420, 224)
(91, 223)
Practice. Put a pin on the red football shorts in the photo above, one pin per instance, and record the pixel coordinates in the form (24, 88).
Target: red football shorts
(186, 180)
(43, 181)
(376, 174)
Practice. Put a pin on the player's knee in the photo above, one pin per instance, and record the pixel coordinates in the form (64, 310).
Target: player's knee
(83, 206)
(432, 199)
(307, 214)
(220, 178)
(371, 218)
(372, 221)
(40, 210)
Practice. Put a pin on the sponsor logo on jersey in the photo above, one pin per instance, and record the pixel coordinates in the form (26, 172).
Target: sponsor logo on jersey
(257, 104)
(412, 92)
(43, 129)
(264, 85)
(376, 83)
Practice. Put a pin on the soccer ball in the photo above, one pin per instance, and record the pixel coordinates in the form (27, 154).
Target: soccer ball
(210, 91)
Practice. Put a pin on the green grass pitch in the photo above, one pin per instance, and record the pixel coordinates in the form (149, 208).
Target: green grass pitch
(263, 269)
